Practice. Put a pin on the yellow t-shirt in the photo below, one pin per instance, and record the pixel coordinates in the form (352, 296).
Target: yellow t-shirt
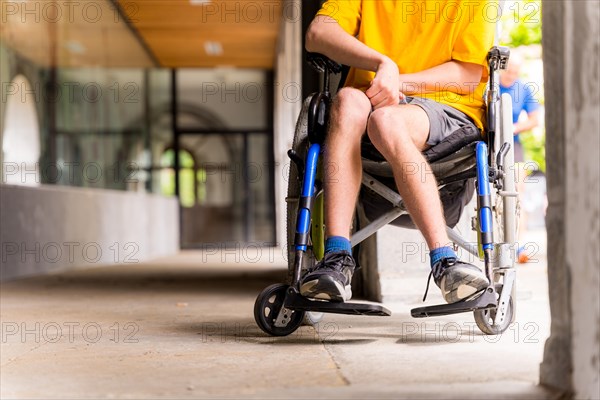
(421, 34)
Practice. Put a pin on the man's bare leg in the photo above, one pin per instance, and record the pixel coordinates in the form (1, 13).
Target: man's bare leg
(342, 162)
(343, 169)
(400, 134)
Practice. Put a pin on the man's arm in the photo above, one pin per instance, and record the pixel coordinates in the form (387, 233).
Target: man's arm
(325, 36)
(531, 122)
(454, 76)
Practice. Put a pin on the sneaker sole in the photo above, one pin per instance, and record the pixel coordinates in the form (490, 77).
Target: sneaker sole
(461, 283)
(326, 288)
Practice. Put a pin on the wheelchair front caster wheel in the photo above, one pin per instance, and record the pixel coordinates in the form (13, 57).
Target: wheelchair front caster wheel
(267, 310)
(485, 320)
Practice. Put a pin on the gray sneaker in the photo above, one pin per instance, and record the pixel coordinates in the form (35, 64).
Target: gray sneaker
(456, 279)
(330, 279)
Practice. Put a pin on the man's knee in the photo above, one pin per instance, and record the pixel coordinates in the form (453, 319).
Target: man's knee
(390, 125)
(383, 123)
(351, 104)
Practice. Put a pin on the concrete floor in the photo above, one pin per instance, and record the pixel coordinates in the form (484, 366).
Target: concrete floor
(183, 327)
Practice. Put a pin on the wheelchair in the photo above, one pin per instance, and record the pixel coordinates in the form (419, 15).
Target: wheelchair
(463, 163)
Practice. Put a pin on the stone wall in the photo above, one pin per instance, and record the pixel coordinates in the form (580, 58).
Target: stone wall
(54, 228)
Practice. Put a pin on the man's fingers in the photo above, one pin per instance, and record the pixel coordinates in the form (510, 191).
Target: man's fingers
(378, 98)
(388, 101)
(380, 104)
(386, 95)
(381, 95)
(402, 99)
(374, 89)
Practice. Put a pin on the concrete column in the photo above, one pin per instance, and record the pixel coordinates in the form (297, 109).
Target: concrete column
(571, 65)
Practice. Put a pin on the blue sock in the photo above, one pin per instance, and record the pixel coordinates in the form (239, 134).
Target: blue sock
(440, 253)
(337, 243)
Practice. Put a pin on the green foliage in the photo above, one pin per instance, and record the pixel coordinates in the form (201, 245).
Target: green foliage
(522, 26)
(522, 23)
(186, 177)
(185, 159)
(535, 148)
(523, 35)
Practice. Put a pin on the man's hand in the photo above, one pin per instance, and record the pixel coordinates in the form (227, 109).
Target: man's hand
(531, 122)
(385, 87)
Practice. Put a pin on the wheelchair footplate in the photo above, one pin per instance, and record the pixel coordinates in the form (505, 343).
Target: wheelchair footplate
(280, 309)
(482, 301)
(295, 301)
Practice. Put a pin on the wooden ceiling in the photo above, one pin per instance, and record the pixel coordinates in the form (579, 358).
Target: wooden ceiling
(178, 32)
(143, 33)
(86, 34)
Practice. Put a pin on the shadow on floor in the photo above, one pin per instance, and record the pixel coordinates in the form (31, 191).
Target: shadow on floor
(111, 280)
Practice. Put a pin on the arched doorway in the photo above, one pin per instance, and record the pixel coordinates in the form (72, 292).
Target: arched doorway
(190, 178)
(21, 136)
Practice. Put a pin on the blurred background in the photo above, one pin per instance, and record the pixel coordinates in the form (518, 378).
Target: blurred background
(110, 90)
(101, 94)
(143, 184)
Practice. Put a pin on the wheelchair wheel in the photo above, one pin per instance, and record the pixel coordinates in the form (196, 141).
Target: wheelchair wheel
(485, 318)
(266, 310)
(502, 231)
(507, 208)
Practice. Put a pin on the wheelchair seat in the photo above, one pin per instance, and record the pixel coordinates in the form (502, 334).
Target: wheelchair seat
(453, 156)
(450, 145)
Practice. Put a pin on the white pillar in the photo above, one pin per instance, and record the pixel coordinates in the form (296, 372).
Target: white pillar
(287, 103)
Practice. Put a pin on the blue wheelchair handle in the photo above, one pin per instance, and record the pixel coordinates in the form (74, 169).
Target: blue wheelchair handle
(306, 197)
(484, 199)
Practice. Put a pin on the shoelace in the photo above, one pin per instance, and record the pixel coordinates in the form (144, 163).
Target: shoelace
(332, 260)
(436, 270)
(329, 261)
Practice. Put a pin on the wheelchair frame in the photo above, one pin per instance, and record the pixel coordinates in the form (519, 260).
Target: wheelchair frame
(280, 309)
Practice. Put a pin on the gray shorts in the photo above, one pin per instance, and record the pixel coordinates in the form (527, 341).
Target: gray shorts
(443, 120)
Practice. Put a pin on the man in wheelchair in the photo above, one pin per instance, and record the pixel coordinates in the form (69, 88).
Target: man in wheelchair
(418, 74)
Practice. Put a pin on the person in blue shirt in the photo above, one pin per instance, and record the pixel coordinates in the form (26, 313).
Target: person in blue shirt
(523, 101)
(525, 118)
